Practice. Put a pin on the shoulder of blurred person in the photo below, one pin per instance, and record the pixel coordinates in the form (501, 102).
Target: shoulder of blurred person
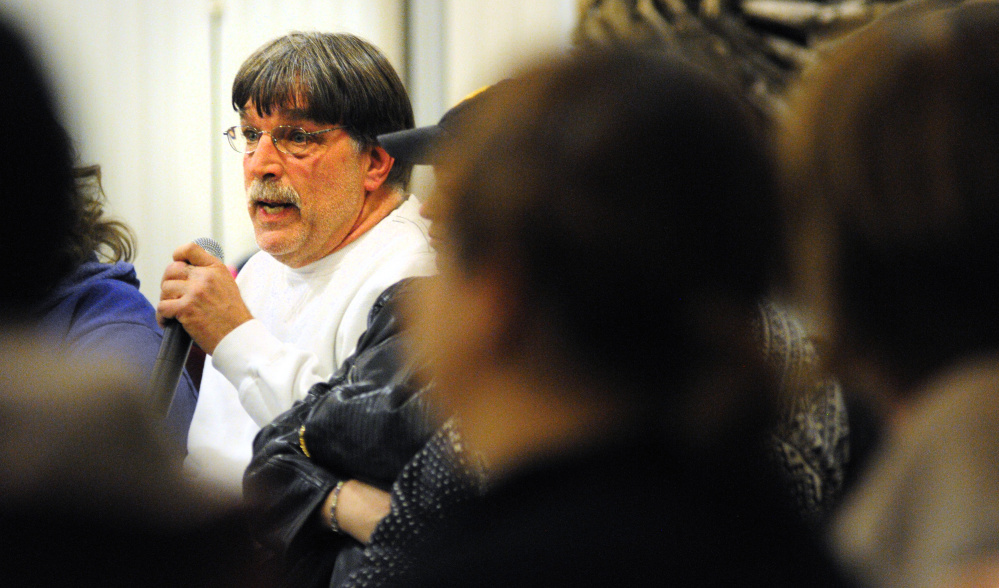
(625, 514)
(97, 312)
(925, 510)
(91, 492)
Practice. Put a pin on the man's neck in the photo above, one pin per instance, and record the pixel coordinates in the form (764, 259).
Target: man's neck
(377, 205)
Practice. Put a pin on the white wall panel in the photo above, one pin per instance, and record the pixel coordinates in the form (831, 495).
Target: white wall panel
(489, 38)
(458, 46)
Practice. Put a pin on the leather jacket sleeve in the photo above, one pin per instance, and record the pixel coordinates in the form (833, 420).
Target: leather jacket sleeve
(365, 423)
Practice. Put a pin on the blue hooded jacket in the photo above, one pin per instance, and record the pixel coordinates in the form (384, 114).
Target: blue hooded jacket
(98, 314)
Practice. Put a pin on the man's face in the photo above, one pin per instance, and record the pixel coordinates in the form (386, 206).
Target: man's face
(328, 181)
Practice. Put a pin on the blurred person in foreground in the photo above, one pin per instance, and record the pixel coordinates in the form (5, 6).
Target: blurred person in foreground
(335, 228)
(892, 157)
(604, 235)
(90, 493)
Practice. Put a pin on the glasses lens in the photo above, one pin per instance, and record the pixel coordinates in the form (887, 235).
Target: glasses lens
(232, 135)
(243, 139)
(292, 140)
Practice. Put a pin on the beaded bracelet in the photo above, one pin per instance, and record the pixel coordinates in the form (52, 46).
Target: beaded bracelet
(334, 498)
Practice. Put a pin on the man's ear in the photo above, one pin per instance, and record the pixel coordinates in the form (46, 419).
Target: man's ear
(379, 164)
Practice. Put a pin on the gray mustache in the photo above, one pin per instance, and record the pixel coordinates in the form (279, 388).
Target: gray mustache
(272, 193)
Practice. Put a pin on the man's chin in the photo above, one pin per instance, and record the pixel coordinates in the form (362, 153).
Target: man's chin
(277, 243)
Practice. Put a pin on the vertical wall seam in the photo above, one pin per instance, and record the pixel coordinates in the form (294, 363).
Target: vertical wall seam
(215, 12)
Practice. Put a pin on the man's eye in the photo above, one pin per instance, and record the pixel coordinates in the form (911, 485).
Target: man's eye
(298, 137)
(251, 135)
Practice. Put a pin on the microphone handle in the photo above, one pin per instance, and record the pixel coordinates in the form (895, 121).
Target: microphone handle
(172, 356)
(169, 364)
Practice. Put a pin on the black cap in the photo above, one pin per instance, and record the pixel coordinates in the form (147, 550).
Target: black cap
(419, 146)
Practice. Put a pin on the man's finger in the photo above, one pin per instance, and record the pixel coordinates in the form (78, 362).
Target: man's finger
(178, 270)
(172, 289)
(194, 254)
(166, 309)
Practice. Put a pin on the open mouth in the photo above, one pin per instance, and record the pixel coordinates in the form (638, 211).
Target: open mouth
(272, 197)
(273, 207)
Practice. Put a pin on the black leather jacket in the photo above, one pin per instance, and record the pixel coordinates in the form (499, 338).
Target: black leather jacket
(365, 423)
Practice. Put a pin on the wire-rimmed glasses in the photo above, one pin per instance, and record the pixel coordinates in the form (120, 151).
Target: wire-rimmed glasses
(287, 139)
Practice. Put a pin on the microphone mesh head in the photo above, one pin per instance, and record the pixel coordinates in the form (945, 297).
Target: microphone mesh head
(211, 246)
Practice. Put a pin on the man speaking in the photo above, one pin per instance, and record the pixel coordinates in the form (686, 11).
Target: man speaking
(334, 226)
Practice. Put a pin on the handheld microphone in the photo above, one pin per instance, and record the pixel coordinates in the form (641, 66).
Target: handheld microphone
(174, 349)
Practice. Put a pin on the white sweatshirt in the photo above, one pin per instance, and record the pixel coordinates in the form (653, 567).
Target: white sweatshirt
(306, 323)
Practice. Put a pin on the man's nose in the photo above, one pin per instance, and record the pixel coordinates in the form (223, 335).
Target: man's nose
(265, 163)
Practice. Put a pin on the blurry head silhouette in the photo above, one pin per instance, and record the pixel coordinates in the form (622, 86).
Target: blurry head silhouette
(622, 203)
(892, 162)
(36, 165)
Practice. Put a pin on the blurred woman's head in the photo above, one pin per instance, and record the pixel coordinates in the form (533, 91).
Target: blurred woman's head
(608, 218)
(892, 163)
(38, 183)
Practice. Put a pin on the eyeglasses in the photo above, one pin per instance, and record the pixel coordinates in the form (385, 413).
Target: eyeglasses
(290, 140)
